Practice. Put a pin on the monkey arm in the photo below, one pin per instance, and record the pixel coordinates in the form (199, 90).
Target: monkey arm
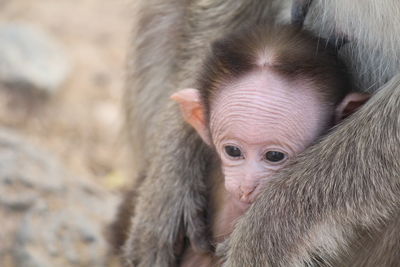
(313, 210)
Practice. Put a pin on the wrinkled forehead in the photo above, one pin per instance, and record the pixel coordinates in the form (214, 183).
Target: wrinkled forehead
(261, 99)
(261, 82)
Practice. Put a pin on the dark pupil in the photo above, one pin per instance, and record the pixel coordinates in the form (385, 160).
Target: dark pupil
(274, 156)
(233, 151)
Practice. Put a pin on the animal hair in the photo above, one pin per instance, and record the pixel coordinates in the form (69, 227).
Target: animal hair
(345, 188)
(285, 50)
(347, 184)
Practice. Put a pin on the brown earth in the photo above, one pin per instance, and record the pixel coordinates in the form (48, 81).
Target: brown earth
(81, 123)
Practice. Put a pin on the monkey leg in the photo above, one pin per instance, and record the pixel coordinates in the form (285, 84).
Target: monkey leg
(119, 229)
(176, 205)
(346, 184)
(168, 205)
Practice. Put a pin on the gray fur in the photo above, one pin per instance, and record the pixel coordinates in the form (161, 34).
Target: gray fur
(336, 205)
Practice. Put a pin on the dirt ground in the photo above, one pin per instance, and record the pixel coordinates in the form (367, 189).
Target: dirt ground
(81, 123)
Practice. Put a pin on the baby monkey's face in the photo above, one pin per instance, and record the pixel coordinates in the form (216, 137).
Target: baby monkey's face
(258, 123)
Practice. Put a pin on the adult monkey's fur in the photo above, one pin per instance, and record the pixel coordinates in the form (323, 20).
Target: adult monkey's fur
(337, 204)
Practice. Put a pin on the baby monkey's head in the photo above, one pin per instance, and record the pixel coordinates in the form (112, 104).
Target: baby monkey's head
(264, 94)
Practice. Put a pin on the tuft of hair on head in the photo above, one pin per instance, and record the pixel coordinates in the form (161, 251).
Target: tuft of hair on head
(287, 50)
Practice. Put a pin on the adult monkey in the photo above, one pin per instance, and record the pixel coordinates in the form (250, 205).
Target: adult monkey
(318, 216)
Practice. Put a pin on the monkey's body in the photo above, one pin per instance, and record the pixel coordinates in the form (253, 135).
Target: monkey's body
(347, 213)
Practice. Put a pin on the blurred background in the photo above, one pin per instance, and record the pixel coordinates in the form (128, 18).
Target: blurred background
(62, 157)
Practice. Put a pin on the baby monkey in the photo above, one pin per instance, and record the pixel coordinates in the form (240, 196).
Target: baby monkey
(264, 95)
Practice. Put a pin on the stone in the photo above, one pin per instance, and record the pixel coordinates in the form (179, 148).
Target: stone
(49, 217)
(31, 59)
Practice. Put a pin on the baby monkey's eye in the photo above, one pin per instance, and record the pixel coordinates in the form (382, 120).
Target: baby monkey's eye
(233, 151)
(274, 156)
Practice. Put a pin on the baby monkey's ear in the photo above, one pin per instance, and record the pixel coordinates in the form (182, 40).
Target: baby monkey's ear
(350, 104)
(193, 111)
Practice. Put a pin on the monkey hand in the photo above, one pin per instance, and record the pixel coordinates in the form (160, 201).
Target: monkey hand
(315, 207)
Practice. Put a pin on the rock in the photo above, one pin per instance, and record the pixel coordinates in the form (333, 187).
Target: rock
(30, 59)
(48, 216)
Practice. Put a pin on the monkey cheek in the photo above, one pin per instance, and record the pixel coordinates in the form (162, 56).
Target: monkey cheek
(233, 188)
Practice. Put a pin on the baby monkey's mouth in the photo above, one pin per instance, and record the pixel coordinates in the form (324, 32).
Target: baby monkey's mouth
(242, 205)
